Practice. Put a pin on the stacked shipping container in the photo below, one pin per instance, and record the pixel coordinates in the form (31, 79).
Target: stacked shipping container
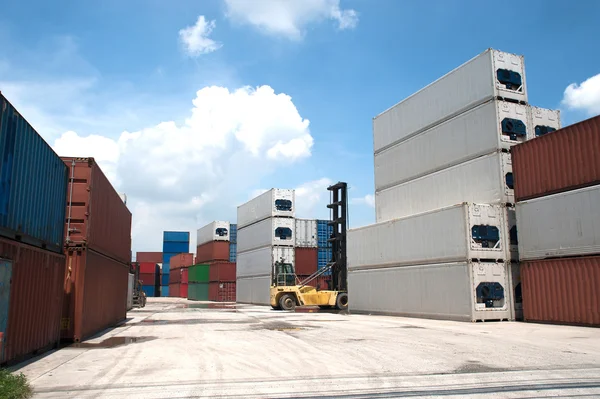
(174, 242)
(232, 242)
(178, 276)
(198, 282)
(311, 251)
(150, 278)
(214, 248)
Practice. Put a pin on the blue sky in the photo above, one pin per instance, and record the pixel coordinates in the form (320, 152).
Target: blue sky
(102, 68)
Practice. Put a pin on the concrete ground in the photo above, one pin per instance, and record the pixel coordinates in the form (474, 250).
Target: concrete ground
(174, 348)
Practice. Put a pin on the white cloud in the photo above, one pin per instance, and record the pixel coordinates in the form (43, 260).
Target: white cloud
(312, 198)
(289, 18)
(368, 200)
(584, 96)
(195, 38)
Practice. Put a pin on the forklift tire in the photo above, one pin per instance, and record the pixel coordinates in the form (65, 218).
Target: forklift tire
(341, 302)
(287, 302)
(275, 307)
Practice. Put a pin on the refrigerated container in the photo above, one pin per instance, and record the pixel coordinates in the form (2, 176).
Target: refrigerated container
(33, 184)
(464, 291)
(454, 234)
(214, 231)
(563, 160)
(254, 290)
(543, 121)
(212, 250)
(517, 289)
(268, 232)
(306, 233)
(276, 202)
(153, 257)
(180, 261)
(484, 180)
(259, 262)
(491, 74)
(563, 224)
(222, 271)
(510, 216)
(490, 127)
(176, 236)
(306, 260)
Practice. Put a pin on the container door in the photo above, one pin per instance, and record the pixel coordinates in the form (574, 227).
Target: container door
(5, 276)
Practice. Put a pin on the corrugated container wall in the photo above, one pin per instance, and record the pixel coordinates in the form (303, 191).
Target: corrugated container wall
(323, 258)
(233, 252)
(268, 232)
(213, 250)
(214, 231)
(253, 290)
(176, 236)
(33, 184)
(164, 278)
(221, 292)
(559, 161)
(562, 290)
(259, 262)
(174, 248)
(148, 278)
(154, 257)
(273, 203)
(130, 284)
(198, 291)
(222, 271)
(199, 273)
(543, 121)
(306, 260)
(150, 290)
(164, 290)
(306, 233)
(181, 260)
(149, 267)
(489, 75)
(96, 216)
(233, 232)
(324, 232)
(31, 287)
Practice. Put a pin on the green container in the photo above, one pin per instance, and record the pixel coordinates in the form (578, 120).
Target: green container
(198, 273)
(198, 291)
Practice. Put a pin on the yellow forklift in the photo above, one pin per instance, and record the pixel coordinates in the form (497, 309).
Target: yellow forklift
(287, 291)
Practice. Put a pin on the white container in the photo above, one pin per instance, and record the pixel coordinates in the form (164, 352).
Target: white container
(259, 262)
(484, 180)
(268, 232)
(543, 120)
(564, 224)
(306, 233)
(254, 290)
(214, 231)
(515, 284)
(441, 291)
(467, 86)
(490, 127)
(275, 202)
(130, 285)
(453, 234)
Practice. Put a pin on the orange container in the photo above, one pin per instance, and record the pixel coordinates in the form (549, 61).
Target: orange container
(212, 251)
(181, 260)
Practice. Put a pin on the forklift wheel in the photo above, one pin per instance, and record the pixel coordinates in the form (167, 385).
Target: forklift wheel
(275, 307)
(341, 301)
(287, 302)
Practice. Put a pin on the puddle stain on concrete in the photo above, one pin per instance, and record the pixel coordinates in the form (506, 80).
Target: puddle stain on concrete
(110, 343)
(192, 321)
(473, 366)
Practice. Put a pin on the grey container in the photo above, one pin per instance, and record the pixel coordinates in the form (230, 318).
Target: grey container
(259, 262)
(464, 291)
(491, 74)
(276, 231)
(254, 290)
(275, 202)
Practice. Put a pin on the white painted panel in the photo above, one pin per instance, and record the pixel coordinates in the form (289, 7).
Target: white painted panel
(306, 233)
(268, 232)
(275, 202)
(214, 231)
(260, 261)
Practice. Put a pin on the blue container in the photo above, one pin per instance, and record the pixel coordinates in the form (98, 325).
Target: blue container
(33, 184)
(324, 232)
(175, 248)
(164, 279)
(164, 290)
(323, 258)
(166, 268)
(233, 232)
(149, 290)
(167, 257)
(232, 252)
(176, 236)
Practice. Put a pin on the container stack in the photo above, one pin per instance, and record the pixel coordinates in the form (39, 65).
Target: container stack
(153, 257)
(557, 188)
(150, 278)
(198, 281)
(214, 248)
(443, 166)
(174, 242)
(34, 189)
(311, 252)
(178, 276)
(265, 235)
(232, 242)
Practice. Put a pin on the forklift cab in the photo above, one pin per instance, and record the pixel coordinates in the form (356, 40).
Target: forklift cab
(284, 274)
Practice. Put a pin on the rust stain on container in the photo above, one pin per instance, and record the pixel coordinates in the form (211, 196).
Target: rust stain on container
(35, 300)
(181, 260)
(96, 215)
(562, 290)
(212, 251)
(152, 257)
(95, 293)
(222, 272)
(559, 161)
(306, 260)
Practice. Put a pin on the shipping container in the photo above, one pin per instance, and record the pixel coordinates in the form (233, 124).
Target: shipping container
(232, 252)
(199, 273)
(510, 216)
(268, 232)
(165, 268)
(563, 224)
(31, 300)
(517, 292)
(175, 276)
(222, 271)
(454, 234)
(321, 282)
(253, 290)
(130, 284)
(176, 236)
(214, 231)
(259, 262)
(306, 260)
(95, 293)
(324, 232)
(484, 180)
(164, 279)
(96, 216)
(164, 290)
(464, 291)
(150, 290)
(184, 276)
(149, 278)
(198, 291)
(177, 290)
(152, 257)
(306, 233)
(212, 251)
(324, 256)
(33, 184)
(221, 292)
(490, 127)
(273, 203)
(562, 290)
(181, 261)
(174, 248)
(543, 121)
(492, 74)
(233, 233)
(149, 267)
(563, 160)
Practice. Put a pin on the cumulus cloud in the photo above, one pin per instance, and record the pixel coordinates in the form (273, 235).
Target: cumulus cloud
(312, 198)
(368, 200)
(584, 96)
(195, 38)
(289, 18)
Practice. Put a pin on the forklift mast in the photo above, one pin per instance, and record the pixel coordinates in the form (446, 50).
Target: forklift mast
(339, 220)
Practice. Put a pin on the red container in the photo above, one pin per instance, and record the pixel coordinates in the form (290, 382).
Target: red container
(148, 267)
(175, 276)
(184, 277)
(321, 282)
(152, 257)
(222, 271)
(35, 304)
(221, 292)
(212, 251)
(563, 160)
(181, 260)
(96, 216)
(95, 293)
(177, 290)
(562, 290)
(306, 261)
(148, 278)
